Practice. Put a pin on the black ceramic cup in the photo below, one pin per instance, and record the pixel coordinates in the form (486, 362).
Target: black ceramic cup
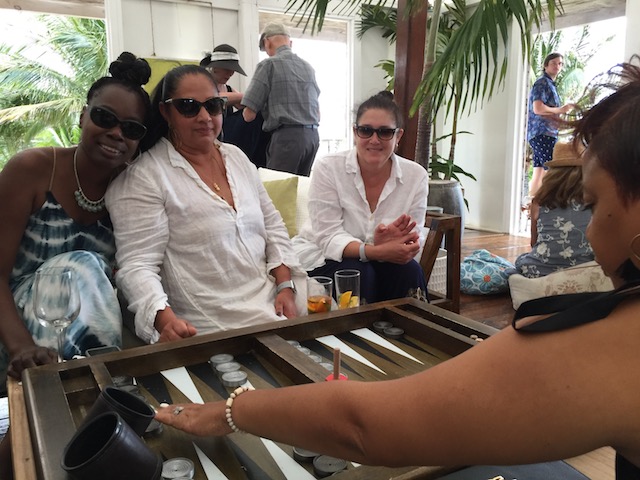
(133, 410)
(106, 448)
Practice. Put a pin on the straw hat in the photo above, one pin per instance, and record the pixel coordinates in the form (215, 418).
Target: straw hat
(224, 56)
(565, 155)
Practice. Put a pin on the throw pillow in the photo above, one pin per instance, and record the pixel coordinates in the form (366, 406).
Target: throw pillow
(586, 277)
(483, 273)
(283, 194)
(302, 209)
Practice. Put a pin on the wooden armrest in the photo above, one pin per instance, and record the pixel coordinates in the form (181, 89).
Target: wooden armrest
(447, 227)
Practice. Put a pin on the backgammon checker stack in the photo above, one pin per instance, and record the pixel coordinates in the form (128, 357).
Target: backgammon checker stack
(50, 405)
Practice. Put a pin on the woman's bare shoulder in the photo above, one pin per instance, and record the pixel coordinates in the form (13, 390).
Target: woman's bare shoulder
(33, 162)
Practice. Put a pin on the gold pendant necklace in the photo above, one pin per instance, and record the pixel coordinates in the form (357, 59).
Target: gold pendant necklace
(216, 187)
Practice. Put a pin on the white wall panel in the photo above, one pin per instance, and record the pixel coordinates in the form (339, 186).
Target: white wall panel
(632, 41)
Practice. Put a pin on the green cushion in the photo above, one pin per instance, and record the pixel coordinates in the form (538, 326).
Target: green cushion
(283, 194)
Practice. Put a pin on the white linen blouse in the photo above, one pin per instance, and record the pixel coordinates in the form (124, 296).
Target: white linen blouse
(340, 214)
(180, 244)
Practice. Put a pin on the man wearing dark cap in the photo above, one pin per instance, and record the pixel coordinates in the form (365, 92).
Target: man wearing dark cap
(285, 91)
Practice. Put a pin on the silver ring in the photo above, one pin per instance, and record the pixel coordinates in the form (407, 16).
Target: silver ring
(177, 410)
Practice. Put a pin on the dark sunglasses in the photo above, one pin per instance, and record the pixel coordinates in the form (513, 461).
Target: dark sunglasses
(104, 118)
(188, 107)
(367, 132)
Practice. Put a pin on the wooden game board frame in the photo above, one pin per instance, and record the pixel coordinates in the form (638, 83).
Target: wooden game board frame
(42, 408)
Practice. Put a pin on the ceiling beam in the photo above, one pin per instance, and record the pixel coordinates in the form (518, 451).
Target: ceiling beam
(582, 12)
(577, 12)
(89, 8)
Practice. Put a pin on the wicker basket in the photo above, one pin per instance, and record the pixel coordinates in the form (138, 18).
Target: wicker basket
(438, 280)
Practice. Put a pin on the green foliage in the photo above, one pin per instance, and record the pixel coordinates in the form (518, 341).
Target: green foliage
(377, 16)
(577, 52)
(389, 68)
(469, 65)
(40, 103)
(444, 167)
(312, 12)
(439, 166)
(472, 58)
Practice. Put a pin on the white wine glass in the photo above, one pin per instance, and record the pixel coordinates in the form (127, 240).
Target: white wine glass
(56, 300)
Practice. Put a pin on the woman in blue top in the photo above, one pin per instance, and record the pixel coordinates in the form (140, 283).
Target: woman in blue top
(544, 108)
(558, 218)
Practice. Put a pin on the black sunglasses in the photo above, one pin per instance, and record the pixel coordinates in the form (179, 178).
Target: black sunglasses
(188, 107)
(104, 118)
(367, 132)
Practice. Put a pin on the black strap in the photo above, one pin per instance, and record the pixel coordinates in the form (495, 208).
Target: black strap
(572, 309)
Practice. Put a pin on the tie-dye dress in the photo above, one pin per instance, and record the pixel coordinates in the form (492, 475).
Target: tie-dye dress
(52, 238)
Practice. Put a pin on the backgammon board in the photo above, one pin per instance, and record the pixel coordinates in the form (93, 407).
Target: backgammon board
(52, 401)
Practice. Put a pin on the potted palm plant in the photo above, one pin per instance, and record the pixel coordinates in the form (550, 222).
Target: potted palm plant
(463, 63)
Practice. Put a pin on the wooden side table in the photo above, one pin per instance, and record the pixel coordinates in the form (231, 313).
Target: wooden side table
(447, 227)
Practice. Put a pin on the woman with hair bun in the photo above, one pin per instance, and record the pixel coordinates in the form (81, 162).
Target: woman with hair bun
(365, 205)
(57, 217)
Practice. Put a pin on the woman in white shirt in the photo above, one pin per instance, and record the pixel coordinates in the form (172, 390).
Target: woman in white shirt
(200, 246)
(366, 208)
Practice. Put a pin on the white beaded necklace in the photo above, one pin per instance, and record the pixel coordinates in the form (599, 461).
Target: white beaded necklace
(83, 202)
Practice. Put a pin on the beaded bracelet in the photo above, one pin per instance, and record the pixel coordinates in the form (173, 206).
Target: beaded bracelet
(230, 400)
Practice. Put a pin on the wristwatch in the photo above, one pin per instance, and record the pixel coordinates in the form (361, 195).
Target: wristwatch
(287, 284)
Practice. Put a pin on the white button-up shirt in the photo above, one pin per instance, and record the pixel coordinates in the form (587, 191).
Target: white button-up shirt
(340, 214)
(180, 244)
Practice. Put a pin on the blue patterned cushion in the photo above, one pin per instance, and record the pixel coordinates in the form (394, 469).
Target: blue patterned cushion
(483, 273)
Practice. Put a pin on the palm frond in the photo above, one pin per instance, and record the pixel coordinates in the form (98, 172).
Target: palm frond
(389, 67)
(40, 99)
(474, 57)
(312, 12)
(377, 16)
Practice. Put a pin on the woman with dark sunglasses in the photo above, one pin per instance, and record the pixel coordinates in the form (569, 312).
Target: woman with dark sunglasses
(366, 209)
(201, 248)
(55, 215)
